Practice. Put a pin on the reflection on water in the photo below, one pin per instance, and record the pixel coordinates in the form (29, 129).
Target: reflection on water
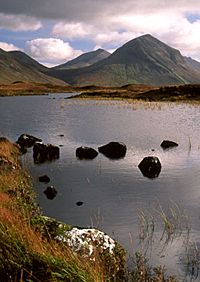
(112, 191)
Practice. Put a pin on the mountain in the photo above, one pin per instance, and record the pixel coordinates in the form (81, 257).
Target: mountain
(84, 60)
(144, 60)
(17, 66)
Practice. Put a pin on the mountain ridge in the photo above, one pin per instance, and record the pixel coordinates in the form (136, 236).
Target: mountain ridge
(84, 60)
(18, 66)
(144, 59)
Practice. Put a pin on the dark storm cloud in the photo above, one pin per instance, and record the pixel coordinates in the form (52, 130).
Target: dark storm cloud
(78, 10)
(51, 9)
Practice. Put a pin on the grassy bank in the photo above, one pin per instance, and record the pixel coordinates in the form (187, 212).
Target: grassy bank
(27, 250)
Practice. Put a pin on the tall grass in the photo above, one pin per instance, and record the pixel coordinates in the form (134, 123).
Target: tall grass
(25, 254)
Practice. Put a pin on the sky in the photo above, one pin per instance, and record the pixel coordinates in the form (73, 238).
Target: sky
(56, 31)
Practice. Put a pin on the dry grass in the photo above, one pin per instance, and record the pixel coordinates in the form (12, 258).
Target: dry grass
(25, 253)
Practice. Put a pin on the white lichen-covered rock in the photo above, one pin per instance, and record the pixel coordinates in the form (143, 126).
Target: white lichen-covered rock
(96, 245)
(90, 243)
(87, 241)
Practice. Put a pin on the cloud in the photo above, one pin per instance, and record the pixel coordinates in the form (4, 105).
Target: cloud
(19, 23)
(108, 23)
(72, 30)
(51, 51)
(89, 10)
(8, 47)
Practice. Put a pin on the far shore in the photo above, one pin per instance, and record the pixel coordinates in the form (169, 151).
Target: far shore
(134, 92)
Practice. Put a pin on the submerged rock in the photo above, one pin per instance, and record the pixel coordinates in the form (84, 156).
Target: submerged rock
(166, 144)
(43, 153)
(44, 178)
(150, 167)
(50, 192)
(113, 150)
(86, 153)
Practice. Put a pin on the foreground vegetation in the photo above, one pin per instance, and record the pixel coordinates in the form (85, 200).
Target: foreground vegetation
(27, 250)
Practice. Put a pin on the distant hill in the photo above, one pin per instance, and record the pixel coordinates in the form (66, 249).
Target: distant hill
(144, 60)
(84, 60)
(17, 66)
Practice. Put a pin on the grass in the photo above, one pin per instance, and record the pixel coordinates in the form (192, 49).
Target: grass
(143, 271)
(28, 251)
(25, 253)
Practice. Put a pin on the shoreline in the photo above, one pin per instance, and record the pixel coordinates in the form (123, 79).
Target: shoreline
(32, 245)
(132, 92)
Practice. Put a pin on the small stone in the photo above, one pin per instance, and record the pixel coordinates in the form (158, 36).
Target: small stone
(50, 192)
(79, 203)
(44, 178)
(166, 144)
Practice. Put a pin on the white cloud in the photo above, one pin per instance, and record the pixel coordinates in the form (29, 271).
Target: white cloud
(51, 51)
(71, 30)
(19, 22)
(8, 47)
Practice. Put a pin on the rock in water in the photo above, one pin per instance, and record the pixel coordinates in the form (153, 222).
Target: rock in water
(150, 167)
(50, 192)
(27, 141)
(43, 153)
(166, 144)
(86, 153)
(44, 178)
(113, 150)
(79, 203)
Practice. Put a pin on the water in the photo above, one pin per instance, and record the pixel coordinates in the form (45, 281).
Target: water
(113, 192)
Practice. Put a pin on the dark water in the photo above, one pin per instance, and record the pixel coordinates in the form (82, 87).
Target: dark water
(113, 192)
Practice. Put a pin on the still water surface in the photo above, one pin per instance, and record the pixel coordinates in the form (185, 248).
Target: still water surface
(113, 192)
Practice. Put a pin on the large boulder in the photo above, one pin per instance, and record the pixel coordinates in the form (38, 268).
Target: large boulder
(86, 153)
(93, 244)
(43, 153)
(166, 144)
(50, 192)
(113, 150)
(27, 141)
(150, 167)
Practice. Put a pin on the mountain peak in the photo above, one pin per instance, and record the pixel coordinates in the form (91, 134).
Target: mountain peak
(85, 60)
(145, 60)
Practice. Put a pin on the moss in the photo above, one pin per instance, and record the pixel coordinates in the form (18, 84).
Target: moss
(50, 227)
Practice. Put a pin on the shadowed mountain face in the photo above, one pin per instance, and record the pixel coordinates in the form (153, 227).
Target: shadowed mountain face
(84, 60)
(143, 60)
(17, 66)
